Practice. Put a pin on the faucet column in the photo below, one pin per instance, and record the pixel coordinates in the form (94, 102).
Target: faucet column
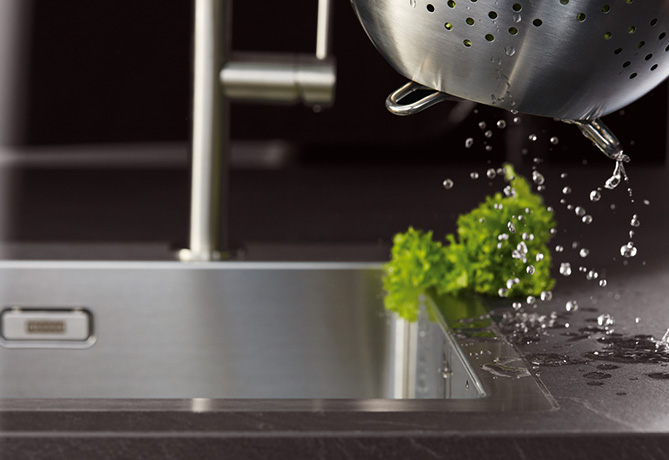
(209, 235)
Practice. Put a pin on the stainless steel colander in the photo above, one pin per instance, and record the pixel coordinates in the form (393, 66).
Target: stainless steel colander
(565, 59)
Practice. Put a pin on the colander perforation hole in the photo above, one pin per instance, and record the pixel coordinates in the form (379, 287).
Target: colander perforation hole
(470, 21)
(537, 22)
(626, 64)
(633, 76)
(448, 26)
(451, 3)
(641, 44)
(606, 8)
(617, 51)
(631, 30)
(649, 57)
(608, 35)
(467, 42)
(653, 67)
(662, 35)
(430, 7)
(490, 37)
(653, 22)
(513, 31)
(517, 7)
(564, 2)
(492, 15)
(580, 17)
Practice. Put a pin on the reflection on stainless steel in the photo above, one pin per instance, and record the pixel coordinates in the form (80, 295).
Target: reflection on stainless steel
(249, 331)
(566, 60)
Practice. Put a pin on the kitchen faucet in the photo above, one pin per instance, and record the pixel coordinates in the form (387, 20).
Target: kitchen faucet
(221, 76)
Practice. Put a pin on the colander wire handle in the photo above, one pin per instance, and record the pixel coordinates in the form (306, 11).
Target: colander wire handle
(394, 100)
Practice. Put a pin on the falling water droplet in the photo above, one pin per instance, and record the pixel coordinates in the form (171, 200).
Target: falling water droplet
(540, 257)
(474, 175)
(482, 125)
(530, 269)
(580, 211)
(538, 178)
(469, 142)
(566, 190)
(565, 269)
(595, 195)
(587, 219)
(603, 283)
(592, 275)
(635, 221)
(510, 51)
(488, 134)
(571, 305)
(531, 300)
(584, 252)
(517, 305)
(532, 137)
(563, 176)
(503, 292)
(491, 173)
(501, 124)
(516, 120)
(554, 140)
(628, 250)
(448, 184)
(559, 248)
(546, 296)
(605, 320)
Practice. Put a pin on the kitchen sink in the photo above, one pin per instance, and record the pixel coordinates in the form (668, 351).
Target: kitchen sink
(242, 330)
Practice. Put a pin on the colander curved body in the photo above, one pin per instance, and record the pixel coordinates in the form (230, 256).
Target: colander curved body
(566, 59)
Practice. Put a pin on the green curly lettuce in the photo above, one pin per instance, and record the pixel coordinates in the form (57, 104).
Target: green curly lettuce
(500, 248)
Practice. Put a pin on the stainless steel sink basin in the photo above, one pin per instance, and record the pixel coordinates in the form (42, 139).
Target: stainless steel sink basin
(234, 331)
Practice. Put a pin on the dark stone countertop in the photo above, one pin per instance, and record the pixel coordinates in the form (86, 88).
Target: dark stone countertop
(624, 417)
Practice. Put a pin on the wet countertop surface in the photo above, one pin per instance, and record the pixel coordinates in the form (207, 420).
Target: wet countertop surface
(609, 407)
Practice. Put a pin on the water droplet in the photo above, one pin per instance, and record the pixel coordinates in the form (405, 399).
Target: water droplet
(482, 125)
(553, 231)
(559, 248)
(646, 202)
(531, 300)
(517, 305)
(482, 219)
(637, 320)
(631, 234)
(540, 257)
(546, 296)
(538, 178)
(488, 134)
(517, 18)
(469, 142)
(532, 137)
(516, 120)
(587, 219)
(628, 250)
(603, 283)
(595, 196)
(584, 252)
(528, 236)
(412, 3)
(580, 211)
(474, 175)
(530, 269)
(635, 221)
(491, 173)
(501, 124)
(618, 173)
(565, 269)
(570, 207)
(510, 51)
(554, 140)
(448, 184)
(575, 245)
(566, 190)
(503, 292)
(605, 320)
(498, 206)
(503, 236)
(563, 176)
(509, 191)
(592, 275)
(571, 305)
(613, 206)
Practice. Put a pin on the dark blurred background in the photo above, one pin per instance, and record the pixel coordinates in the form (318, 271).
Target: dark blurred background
(97, 122)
